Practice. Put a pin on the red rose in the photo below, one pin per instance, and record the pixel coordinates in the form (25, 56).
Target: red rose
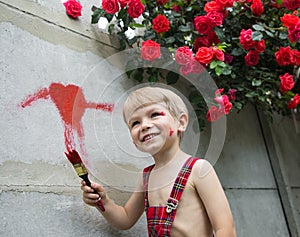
(186, 69)
(257, 7)
(162, 2)
(73, 8)
(176, 8)
(218, 54)
(123, 3)
(213, 6)
(260, 46)
(246, 39)
(291, 4)
(228, 58)
(231, 93)
(160, 24)
(204, 55)
(206, 40)
(203, 24)
(197, 67)
(284, 56)
(183, 55)
(294, 102)
(202, 41)
(294, 33)
(135, 8)
(289, 20)
(224, 103)
(150, 50)
(287, 83)
(215, 17)
(213, 114)
(252, 58)
(219, 91)
(296, 57)
(225, 3)
(110, 6)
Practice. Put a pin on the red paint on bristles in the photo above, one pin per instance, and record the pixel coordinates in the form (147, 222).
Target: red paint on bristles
(162, 113)
(73, 157)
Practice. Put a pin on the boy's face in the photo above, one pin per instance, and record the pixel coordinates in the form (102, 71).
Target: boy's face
(153, 129)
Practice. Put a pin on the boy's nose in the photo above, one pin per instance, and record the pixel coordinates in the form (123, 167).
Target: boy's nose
(146, 125)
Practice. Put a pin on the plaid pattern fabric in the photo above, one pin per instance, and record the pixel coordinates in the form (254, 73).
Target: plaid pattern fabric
(160, 218)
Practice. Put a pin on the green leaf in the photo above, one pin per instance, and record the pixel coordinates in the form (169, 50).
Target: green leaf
(172, 78)
(218, 70)
(184, 28)
(238, 105)
(237, 52)
(214, 64)
(270, 34)
(258, 27)
(283, 36)
(111, 28)
(226, 71)
(121, 13)
(189, 8)
(135, 25)
(170, 40)
(251, 94)
(196, 99)
(222, 64)
(257, 36)
(153, 77)
(256, 82)
(138, 75)
(96, 15)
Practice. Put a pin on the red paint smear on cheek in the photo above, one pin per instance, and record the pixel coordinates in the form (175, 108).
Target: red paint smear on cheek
(171, 132)
(71, 104)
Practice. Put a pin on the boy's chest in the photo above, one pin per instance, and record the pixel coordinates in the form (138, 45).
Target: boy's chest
(160, 191)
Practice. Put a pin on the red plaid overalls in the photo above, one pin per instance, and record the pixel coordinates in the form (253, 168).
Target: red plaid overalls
(160, 218)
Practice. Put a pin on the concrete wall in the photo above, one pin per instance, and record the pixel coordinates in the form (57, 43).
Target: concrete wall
(40, 193)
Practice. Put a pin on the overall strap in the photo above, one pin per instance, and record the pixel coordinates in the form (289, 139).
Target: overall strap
(179, 184)
(146, 174)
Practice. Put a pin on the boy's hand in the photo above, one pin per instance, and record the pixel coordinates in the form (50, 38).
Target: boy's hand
(89, 197)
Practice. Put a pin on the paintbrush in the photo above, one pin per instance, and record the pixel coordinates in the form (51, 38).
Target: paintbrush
(82, 172)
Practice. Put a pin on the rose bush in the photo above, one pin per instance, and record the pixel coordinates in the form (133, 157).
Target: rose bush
(249, 47)
(73, 8)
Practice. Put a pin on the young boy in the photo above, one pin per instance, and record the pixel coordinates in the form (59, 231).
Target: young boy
(181, 195)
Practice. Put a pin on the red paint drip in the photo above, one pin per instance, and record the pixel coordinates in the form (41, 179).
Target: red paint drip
(171, 132)
(71, 105)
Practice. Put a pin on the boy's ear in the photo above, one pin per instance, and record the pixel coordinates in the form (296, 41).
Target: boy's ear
(183, 122)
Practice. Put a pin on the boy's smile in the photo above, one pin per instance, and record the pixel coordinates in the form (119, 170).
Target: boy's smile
(150, 128)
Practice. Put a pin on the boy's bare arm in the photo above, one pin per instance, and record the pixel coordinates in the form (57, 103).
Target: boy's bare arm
(214, 199)
(118, 216)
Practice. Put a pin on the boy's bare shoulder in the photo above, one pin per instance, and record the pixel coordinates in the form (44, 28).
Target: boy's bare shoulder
(202, 168)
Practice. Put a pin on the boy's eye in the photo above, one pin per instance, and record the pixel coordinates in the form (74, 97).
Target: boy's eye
(134, 123)
(155, 114)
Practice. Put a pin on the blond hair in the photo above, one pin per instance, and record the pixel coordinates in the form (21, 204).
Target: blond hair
(146, 96)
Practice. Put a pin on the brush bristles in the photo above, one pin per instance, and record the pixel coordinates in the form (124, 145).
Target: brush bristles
(73, 157)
